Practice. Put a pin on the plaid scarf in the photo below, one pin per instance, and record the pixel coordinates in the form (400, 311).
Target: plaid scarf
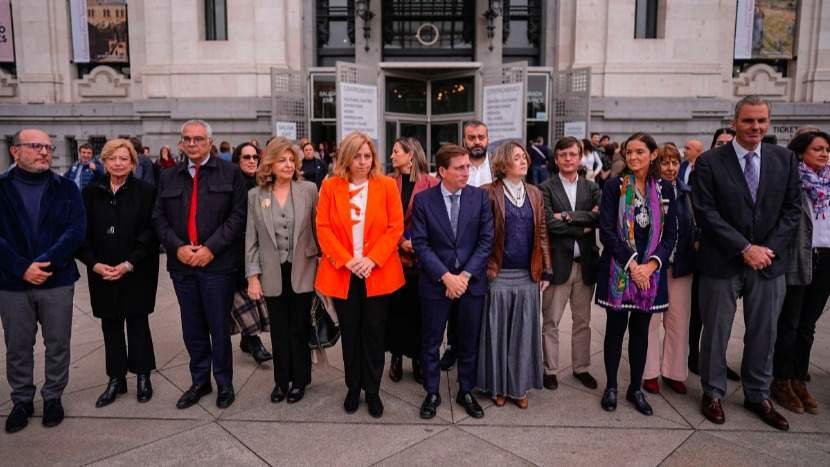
(817, 188)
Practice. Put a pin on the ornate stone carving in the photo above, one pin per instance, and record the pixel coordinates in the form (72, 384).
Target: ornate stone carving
(762, 80)
(8, 85)
(103, 82)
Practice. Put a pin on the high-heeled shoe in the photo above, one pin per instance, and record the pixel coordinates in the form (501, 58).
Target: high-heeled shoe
(144, 389)
(114, 387)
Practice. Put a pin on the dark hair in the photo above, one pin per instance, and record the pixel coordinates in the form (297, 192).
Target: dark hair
(473, 123)
(593, 133)
(85, 146)
(136, 142)
(565, 143)
(800, 143)
(447, 153)
(751, 100)
(224, 146)
(605, 137)
(237, 151)
(610, 149)
(307, 143)
(720, 131)
(587, 146)
(648, 140)
(770, 139)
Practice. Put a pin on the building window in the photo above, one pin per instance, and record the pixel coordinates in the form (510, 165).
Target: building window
(334, 31)
(647, 19)
(522, 31)
(216, 20)
(442, 30)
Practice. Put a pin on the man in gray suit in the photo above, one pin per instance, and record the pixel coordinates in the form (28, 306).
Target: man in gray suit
(572, 215)
(747, 203)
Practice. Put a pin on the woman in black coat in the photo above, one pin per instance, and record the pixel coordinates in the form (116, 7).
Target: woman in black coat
(122, 259)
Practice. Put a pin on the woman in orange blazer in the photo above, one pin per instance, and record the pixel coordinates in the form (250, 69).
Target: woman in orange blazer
(359, 224)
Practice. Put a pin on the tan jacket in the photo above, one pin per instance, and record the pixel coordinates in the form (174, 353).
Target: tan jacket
(540, 258)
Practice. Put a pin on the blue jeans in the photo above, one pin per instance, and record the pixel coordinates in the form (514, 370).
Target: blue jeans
(538, 174)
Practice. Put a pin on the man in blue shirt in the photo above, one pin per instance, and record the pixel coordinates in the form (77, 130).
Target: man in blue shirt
(86, 169)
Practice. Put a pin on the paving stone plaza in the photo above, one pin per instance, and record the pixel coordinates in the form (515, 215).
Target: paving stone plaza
(562, 427)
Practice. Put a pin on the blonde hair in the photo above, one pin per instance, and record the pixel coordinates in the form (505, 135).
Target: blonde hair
(503, 157)
(114, 144)
(276, 148)
(349, 146)
(411, 146)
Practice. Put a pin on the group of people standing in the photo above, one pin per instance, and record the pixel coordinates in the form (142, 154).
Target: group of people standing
(476, 252)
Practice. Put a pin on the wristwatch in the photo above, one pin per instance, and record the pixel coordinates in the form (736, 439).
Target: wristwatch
(466, 275)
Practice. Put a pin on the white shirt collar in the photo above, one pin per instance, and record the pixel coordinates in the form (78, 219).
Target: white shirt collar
(568, 182)
(446, 192)
(191, 165)
(741, 151)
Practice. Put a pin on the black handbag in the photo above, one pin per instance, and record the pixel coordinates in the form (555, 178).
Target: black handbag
(324, 332)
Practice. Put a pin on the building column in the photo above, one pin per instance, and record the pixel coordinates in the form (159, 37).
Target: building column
(374, 54)
(484, 54)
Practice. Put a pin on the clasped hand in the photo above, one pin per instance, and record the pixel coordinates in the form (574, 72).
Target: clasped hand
(110, 273)
(758, 257)
(194, 255)
(361, 267)
(456, 285)
(36, 273)
(641, 274)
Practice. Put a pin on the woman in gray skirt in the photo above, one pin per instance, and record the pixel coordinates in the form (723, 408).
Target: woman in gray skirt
(510, 346)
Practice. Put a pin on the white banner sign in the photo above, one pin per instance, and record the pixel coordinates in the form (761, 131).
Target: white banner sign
(6, 34)
(575, 129)
(80, 31)
(357, 106)
(286, 130)
(504, 110)
(743, 29)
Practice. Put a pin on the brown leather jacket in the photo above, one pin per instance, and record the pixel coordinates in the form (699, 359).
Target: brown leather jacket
(540, 260)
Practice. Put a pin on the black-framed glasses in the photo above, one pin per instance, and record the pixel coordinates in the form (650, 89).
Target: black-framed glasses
(37, 147)
(194, 140)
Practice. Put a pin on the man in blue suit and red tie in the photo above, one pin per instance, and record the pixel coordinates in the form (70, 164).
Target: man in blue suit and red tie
(452, 233)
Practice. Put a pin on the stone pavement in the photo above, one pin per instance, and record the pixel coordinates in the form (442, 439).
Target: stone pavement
(562, 427)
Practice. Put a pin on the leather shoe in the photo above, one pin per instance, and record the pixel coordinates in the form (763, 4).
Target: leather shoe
(19, 417)
(416, 371)
(52, 413)
(277, 395)
(732, 374)
(352, 401)
(550, 382)
(767, 412)
(396, 368)
(295, 394)
(114, 387)
(225, 396)
(782, 393)
(609, 399)
(586, 379)
(521, 403)
(676, 386)
(470, 404)
(192, 395)
(638, 398)
(448, 359)
(144, 390)
(375, 405)
(499, 400)
(712, 409)
(429, 407)
(807, 400)
(651, 385)
(253, 345)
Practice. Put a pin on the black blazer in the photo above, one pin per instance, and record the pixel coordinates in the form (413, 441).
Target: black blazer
(119, 229)
(220, 218)
(684, 251)
(563, 235)
(729, 220)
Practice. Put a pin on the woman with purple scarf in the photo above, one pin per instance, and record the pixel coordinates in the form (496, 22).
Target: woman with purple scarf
(638, 230)
(808, 278)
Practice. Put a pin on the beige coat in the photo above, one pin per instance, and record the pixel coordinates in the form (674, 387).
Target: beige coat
(261, 255)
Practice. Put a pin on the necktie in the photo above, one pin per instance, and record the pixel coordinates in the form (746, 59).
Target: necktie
(192, 230)
(750, 175)
(454, 213)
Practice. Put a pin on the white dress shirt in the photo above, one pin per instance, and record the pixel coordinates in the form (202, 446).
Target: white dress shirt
(570, 191)
(482, 174)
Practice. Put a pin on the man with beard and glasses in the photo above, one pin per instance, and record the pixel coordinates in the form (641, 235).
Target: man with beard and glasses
(476, 140)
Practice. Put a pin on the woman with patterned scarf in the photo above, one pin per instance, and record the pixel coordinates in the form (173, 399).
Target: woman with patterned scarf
(638, 230)
(808, 279)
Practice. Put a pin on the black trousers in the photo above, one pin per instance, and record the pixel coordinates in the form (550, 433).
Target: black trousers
(362, 329)
(695, 323)
(637, 323)
(803, 306)
(290, 332)
(133, 352)
(403, 330)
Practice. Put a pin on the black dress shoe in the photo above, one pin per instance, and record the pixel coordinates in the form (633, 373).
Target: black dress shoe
(295, 394)
(277, 395)
(768, 414)
(192, 395)
(225, 396)
(245, 344)
(259, 352)
(115, 387)
(550, 382)
(417, 375)
(470, 404)
(52, 413)
(375, 405)
(19, 417)
(352, 401)
(448, 359)
(609, 399)
(586, 379)
(144, 390)
(429, 407)
(396, 368)
(638, 398)
(732, 374)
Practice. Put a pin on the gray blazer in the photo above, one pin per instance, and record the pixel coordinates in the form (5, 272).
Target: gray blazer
(261, 256)
(800, 271)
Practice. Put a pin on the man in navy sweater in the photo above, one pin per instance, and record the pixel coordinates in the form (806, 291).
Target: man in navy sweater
(42, 223)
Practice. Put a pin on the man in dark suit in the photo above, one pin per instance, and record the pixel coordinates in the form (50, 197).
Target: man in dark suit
(747, 202)
(572, 215)
(452, 233)
(200, 218)
(691, 151)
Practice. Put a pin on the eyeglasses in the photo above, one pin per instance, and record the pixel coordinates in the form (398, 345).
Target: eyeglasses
(250, 158)
(194, 140)
(37, 147)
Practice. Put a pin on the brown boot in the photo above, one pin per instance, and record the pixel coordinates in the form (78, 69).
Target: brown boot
(783, 393)
(807, 400)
